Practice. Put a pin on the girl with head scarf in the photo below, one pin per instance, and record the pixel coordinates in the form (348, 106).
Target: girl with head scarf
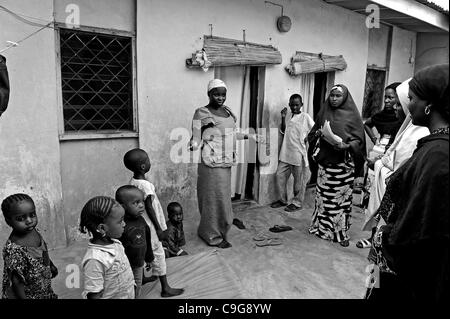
(399, 152)
(412, 249)
(338, 165)
(214, 132)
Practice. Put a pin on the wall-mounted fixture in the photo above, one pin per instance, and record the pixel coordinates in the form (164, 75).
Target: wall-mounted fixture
(284, 23)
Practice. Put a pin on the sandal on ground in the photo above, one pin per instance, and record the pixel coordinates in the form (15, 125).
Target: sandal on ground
(344, 243)
(269, 242)
(278, 204)
(292, 208)
(264, 236)
(224, 244)
(238, 223)
(279, 229)
(363, 243)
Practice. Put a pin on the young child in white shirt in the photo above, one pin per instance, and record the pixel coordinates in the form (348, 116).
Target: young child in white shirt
(137, 161)
(293, 158)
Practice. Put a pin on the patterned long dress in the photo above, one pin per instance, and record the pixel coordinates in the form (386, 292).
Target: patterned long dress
(333, 202)
(32, 265)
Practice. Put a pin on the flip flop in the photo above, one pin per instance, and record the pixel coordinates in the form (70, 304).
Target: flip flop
(279, 229)
(270, 242)
(264, 236)
(363, 243)
(238, 223)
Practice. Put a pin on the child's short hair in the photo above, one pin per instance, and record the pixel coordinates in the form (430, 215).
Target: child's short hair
(10, 200)
(296, 96)
(122, 189)
(94, 212)
(133, 158)
(171, 208)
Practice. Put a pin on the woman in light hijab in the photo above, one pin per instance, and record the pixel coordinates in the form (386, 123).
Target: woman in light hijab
(214, 132)
(402, 148)
(412, 249)
(339, 164)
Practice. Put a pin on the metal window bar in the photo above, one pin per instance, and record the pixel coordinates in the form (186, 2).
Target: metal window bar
(96, 78)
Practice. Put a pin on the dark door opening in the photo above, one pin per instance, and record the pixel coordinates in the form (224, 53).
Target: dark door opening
(320, 88)
(253, 124)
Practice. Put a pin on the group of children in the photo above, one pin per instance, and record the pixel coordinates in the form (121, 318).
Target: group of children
(129, 235)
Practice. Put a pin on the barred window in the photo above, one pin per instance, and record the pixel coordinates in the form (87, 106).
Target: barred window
(97, 81)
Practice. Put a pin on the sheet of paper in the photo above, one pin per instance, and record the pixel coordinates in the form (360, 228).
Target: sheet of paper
(328, 134)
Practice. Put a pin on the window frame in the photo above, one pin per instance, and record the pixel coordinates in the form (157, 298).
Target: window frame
(106, 134)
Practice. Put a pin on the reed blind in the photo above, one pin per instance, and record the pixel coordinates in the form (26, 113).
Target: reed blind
(228, 52)
(304, 62)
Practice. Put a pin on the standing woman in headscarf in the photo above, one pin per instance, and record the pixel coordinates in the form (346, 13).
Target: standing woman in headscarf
(339, 164)
(389, 119)
(214, 132)
(412, 249)
(399, 152)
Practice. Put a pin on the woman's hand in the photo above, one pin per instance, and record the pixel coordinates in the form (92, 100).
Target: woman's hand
(258, 138)
(318, 133)
(284, 112)
(193, 145)
(358, 183)
(341, 146)
(374, 140)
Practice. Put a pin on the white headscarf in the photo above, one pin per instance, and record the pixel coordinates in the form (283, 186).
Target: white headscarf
(407, 136)
(216, 83)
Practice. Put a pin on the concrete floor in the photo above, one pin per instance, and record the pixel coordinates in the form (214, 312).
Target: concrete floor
(304, 266)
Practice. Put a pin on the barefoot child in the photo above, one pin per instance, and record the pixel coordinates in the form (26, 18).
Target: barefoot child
(107, 271)
(28, 270)
(138, 162)
(293, 154)
(136, 237)
(175, 234)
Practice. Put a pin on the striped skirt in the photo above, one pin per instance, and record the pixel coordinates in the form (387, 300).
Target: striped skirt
(333, 202)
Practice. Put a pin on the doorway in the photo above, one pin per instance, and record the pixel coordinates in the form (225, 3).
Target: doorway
(323, 81)
(244, 97)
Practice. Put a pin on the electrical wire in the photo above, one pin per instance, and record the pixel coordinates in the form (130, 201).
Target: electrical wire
(24, 20)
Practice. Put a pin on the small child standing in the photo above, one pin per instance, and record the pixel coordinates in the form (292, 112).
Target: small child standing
(28, 270)
(137, 161)
(107, 271)
(293, 158)
(136, 237)
(175, 234)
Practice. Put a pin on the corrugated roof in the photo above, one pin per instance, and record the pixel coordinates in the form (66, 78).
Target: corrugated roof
(433, 6)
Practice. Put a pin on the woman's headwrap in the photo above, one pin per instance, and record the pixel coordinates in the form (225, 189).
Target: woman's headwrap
(216, 83)
(431, 84)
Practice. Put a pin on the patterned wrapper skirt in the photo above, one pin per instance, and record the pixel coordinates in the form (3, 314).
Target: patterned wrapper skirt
(333, 202)
(214, 203)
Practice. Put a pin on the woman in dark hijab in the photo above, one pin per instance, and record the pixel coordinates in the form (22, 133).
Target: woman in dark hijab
(339, 164)
(412, 250)
(388, 120)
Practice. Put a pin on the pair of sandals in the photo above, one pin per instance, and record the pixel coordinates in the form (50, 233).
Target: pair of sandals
(289, 208)
(264, 239)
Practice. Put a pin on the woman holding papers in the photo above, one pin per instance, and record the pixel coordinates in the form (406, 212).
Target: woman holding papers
(338, 146)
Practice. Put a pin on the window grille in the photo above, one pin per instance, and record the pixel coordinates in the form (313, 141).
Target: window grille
(97, 81)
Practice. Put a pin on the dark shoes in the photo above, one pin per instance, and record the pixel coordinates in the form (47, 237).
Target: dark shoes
(344, 243)
(224, 244)
(280, 228)
(292, 208)
(239, 224)
(278, 204)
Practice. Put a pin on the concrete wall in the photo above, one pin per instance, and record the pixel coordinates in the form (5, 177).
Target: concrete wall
(402, 55)
(378, 46)
(432, 48)
(29, 147)
(94, 167)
